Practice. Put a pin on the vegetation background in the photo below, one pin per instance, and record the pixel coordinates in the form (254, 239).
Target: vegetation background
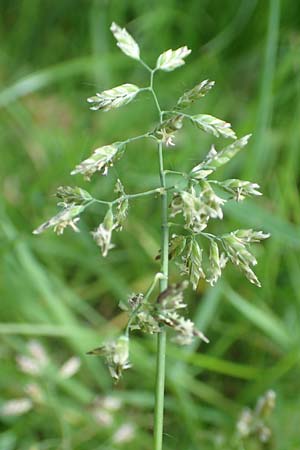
(63, 294)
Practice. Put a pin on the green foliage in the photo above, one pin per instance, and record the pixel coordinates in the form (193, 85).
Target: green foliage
(63, 294)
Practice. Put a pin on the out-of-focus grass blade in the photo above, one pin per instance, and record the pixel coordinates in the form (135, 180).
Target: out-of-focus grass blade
(43, 78)
(34, 329)
(287, 363)
(207, 393)
(59, 311)
(207, 308)
(262, 148)
(99, 42)
(217, 365)
(266, 321)
(234, 28)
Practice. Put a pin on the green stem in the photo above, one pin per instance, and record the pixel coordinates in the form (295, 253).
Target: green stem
(136, 138)
(130, 196)
(155, 97)
(161, 337)
(145, 65)
(140, 194)
(159, 390)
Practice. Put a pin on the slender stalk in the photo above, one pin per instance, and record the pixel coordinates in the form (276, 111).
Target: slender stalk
(142, 194)
(159, 390)
(158, 190)
(161, 337)
(136, 138)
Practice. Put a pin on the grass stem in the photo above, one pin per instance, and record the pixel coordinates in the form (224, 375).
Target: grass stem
(161, 337)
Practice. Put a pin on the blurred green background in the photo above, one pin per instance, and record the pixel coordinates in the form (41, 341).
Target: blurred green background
(59, 297)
